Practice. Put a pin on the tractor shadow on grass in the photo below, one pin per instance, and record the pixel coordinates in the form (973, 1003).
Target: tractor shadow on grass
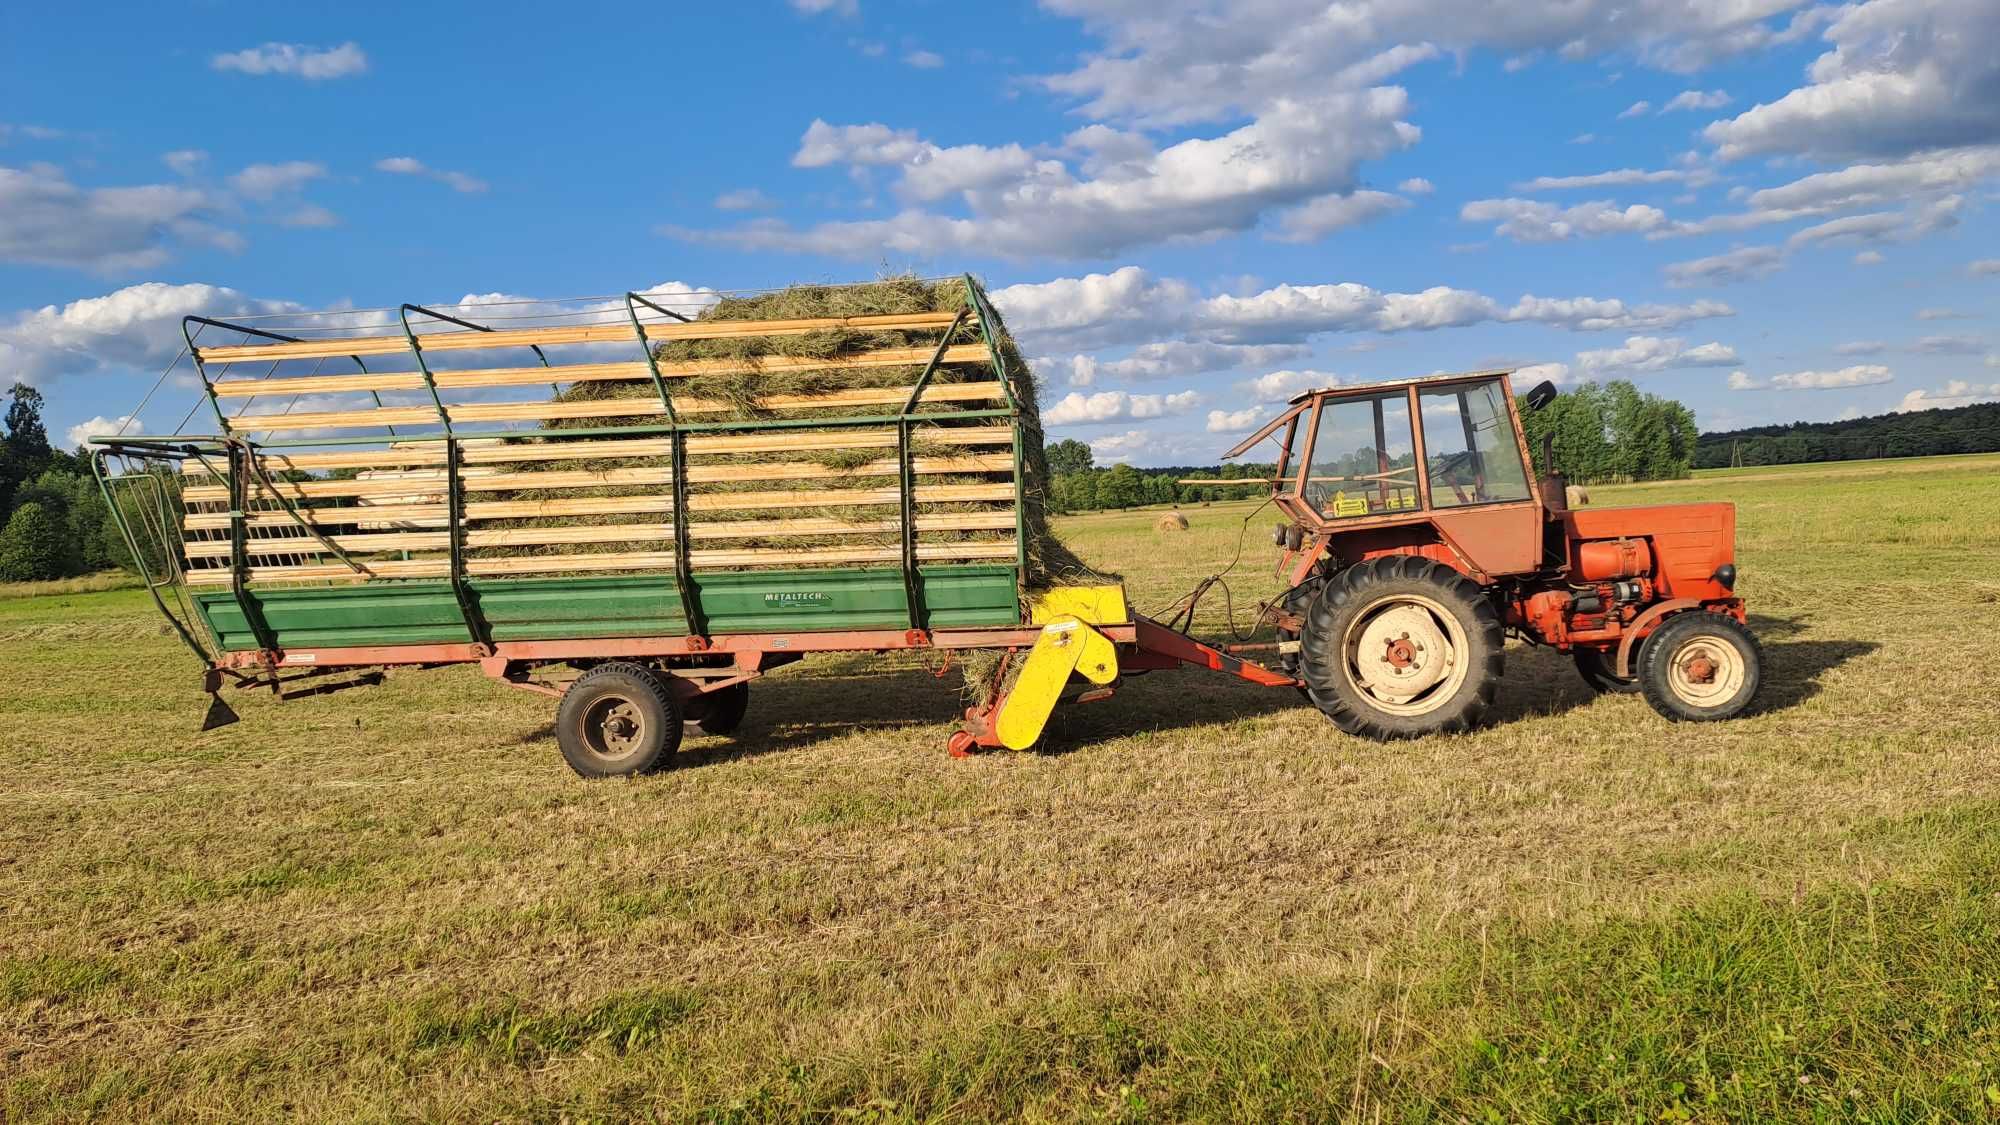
(1543, 682)
(792, 712)
(1793, 668)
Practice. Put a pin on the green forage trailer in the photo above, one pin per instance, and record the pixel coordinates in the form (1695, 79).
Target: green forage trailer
(637, 505)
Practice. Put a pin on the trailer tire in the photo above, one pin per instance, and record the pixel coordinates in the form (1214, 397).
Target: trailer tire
(720, 711)
(1595, 668)
(1700, 667)
(618, 720)
(1451, 666)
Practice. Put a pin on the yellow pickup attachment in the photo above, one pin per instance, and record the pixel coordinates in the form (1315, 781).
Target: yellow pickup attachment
(1067, 646)
(1093, 605)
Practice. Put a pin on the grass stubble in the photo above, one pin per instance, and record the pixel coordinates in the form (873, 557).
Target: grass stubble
(1199, 900)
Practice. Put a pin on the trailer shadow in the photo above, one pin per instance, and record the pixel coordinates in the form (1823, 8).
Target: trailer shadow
(791, 712)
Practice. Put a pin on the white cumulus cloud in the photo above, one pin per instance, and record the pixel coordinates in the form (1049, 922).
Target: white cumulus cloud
(1130, 305)
(46, 220)
(1235, 421)
(1903, 76)
(1748, 263)
(1860, 375)
(1957, 392)
(264, 181)
(1696, 99)
(410, 166)
(100, 426)
(1644, 354)
(1020, 205)
(1077, 408)
(296, 60)
(1531, 220)
(137, 327)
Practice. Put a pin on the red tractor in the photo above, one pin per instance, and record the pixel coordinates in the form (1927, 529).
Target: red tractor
(1416, 539)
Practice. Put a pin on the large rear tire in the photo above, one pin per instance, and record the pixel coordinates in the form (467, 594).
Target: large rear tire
(618, 720)
(1701, 667)
(1400, 647)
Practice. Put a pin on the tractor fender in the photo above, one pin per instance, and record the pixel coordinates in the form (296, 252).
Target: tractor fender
(1643, 624)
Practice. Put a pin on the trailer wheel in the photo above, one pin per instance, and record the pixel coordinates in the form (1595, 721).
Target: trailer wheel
(1701, 667)
(1400, 647)
(1595, 668)
(618, 720)
(720, 711)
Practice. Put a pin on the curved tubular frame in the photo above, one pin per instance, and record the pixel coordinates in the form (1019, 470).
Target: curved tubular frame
(475, 626)
(233, 441)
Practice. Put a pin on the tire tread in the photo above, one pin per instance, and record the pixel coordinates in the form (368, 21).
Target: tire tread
(1358, 582)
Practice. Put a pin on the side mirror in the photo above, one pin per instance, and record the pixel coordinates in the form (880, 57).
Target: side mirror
(1543, 394)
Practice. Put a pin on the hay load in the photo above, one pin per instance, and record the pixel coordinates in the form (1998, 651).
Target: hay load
(829, 495)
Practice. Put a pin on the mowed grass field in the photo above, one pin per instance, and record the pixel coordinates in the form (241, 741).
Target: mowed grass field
(1197, 901)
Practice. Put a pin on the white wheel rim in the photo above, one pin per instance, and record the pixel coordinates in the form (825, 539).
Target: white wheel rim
(1706, 670)
(1405, 654)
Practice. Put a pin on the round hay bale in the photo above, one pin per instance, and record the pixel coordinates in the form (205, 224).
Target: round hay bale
(1171, 521)
(1576, 496)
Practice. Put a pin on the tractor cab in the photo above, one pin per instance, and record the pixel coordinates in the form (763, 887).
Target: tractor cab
(1444, 452)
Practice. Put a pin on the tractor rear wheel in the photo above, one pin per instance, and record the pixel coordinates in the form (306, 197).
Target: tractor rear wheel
(1701, 667)
(1595, 668)
(617, 720)
(1401, 646)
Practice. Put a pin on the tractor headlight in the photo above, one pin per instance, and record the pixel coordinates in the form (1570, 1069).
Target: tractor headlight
(1726, 574)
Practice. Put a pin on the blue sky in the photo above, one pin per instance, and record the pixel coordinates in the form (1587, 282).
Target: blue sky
(1769, 209)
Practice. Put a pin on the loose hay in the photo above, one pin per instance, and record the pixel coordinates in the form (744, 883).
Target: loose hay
(747, 396)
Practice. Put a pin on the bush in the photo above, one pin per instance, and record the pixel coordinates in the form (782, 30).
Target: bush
(34, 546)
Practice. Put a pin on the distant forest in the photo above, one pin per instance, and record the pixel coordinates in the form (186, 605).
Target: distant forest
(1920, 433)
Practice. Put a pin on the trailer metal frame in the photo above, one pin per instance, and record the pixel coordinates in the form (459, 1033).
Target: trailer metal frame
(250, 633)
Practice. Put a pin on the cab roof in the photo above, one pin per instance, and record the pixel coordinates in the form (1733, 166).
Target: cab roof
(1383, 384)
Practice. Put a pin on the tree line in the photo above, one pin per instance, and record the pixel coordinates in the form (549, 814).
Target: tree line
(1599, 433)
(1605, 432)
(1919, 433)
(1077, 484)
(57, 524)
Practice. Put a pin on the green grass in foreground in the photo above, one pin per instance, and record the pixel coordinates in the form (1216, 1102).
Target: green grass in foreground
(1198, 902)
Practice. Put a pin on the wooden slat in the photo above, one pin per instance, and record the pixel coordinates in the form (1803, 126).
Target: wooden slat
(476, 452)
(602, 408)
(338, 347)
(426, 481)
(371, 542)
(614, 505)
(632, 560)
(590, 372)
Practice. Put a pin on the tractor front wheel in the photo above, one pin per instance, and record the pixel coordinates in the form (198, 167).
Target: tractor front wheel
(1701, 667)
(1401, 646)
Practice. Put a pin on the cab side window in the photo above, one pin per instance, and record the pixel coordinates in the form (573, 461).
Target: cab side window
(1469, 447)
(1363, 458)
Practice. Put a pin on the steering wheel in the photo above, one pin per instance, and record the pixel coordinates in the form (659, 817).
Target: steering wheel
(1479, 484)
